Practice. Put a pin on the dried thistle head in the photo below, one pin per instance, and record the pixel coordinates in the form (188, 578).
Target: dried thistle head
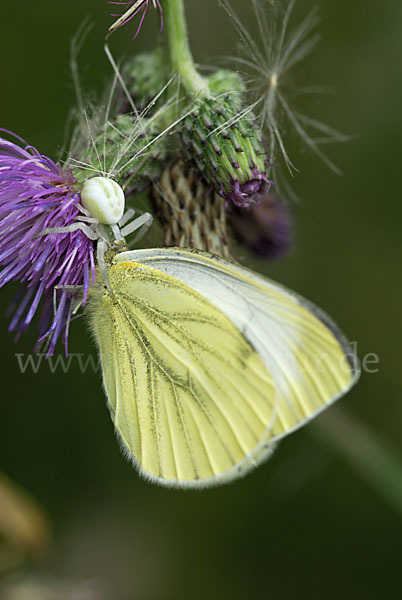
(191, 213)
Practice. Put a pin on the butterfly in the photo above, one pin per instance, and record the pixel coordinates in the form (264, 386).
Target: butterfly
(207, 365)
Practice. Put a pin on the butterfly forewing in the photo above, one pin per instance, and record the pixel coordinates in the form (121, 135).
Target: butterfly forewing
(307, 356)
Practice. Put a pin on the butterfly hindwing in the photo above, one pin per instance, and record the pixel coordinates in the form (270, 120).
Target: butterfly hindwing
(191, 399)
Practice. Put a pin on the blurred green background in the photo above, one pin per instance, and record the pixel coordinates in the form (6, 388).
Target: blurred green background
(323, 518)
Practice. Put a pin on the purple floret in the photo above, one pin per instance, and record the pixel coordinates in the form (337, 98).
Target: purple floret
(37, 194)
(138, 8)
(246, 194)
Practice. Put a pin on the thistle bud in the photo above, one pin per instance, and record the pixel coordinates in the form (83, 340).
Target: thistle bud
(144, 76)
(113, 150)
(227, 82)
(264, 228)
(225, 145)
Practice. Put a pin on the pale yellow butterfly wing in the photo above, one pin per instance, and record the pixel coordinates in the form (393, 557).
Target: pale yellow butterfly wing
(191, 399)
(309, 359)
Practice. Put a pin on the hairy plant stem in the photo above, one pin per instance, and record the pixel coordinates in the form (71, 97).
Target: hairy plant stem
(179, 49)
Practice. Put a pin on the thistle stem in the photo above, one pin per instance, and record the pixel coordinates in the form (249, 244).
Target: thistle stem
(371, 457)
(179, 49)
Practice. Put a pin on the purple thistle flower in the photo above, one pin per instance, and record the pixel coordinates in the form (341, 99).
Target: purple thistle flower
(264, 227)
(137, 7)
(36, 194)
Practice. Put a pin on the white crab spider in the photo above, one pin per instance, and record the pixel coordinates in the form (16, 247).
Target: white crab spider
(104, 199)
(103, 218)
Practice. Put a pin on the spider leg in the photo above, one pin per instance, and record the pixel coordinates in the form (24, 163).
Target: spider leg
(71, 228)
(128, 215)
(142, 224)
(77, 306)
(69, 288)
(83, 210)
(65, 288)
(87, 220)
(116, 233)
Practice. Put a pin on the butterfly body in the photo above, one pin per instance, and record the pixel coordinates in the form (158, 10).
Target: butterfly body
(202, 364)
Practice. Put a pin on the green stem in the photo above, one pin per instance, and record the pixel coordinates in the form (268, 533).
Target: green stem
(179, 48)
(371, 456)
